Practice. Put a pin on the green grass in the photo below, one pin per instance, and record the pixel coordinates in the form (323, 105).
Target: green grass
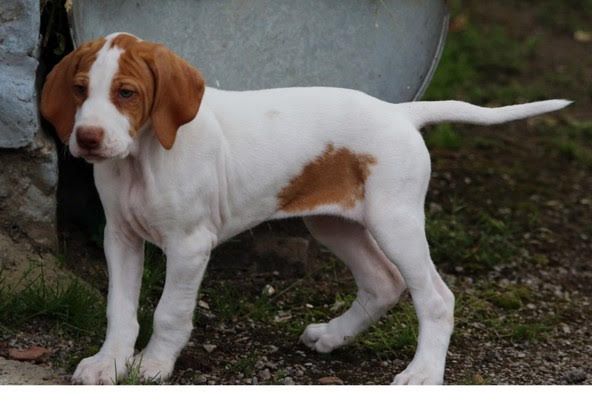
(245, 365)
(501, 312)
(443, 136)
(473, 240)
(71, 306)
(226, 300)
(508, 298)
(481, 65)
(393, 336)
(134, 376)
(532, 331)
(574, 151)
(474, 379)
(571, 139)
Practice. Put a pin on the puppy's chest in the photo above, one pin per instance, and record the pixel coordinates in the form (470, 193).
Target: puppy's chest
(140, 212)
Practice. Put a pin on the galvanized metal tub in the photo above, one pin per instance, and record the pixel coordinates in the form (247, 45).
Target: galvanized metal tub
(387, 48)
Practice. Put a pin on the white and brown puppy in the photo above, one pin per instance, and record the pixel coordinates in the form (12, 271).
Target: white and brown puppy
(186, 167)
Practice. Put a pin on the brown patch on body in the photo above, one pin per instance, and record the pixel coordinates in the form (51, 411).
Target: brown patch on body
(337, 176)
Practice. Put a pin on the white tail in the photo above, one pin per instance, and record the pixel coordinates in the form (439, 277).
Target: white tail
(424, 113)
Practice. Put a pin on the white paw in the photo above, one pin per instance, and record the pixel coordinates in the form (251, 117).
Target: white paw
(99, 369)
(419, 375)
(151, 369)
(319, 337)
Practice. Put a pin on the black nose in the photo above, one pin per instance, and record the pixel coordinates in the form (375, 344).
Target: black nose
(89, 137)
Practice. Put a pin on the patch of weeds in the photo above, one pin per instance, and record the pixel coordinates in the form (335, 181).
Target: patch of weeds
(540, 259)
(262, 309)
(472, 306)
(571, 139)
(511, 297)
(226, 301)
(279, 376)
(473, 380)
(574, 151)
(530, 214)
(500, 313)
(484, 143)
(512, 92)
(302, 318)
(443, 136)
(527, 331)
(70, 305)
(394, 335)
(474, 241)
(134, 376)
(229, 301)
(506, 300)
(479, 62)
(309, 300)
(244, 365)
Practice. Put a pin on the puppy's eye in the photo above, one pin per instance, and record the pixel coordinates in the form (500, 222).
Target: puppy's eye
(80, 90)
(126, 93)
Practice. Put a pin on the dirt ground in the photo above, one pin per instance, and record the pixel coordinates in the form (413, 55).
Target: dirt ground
(510, 222)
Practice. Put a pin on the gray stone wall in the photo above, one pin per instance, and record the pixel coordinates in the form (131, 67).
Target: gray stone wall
(28, 161)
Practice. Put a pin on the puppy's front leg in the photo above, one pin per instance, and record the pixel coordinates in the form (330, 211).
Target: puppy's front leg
(125, 260)
(173, 319)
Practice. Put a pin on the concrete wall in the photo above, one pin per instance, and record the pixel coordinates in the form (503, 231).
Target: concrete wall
(28, 161)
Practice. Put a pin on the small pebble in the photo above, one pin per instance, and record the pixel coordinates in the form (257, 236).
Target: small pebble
(265, 374)
(330, 380)
(209, 347)
(575, 376)
(268, 290)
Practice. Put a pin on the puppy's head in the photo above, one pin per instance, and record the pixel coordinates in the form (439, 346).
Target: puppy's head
(101, 94)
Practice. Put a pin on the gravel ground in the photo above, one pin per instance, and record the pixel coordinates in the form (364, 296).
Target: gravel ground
(249, 350)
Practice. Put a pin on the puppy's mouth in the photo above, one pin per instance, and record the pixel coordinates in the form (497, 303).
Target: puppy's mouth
(92, 156)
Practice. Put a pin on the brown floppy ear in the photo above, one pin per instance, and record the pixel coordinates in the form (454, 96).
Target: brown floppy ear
(178, 90)
(57, 98)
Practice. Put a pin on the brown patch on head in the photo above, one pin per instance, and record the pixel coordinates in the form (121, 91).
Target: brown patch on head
(65, 88)
(164, 87)
(124, 41)
(179, 89)
(133, 75)
(337, 176)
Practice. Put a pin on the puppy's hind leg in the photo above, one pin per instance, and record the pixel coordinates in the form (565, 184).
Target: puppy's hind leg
(379, 282)
(400, 234)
